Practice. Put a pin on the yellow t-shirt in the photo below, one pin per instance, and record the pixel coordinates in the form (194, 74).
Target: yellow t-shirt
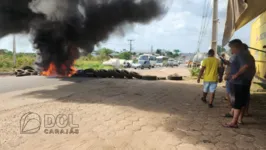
(211, 65)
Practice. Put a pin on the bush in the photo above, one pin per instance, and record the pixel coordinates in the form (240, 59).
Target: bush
(195, 72)
(125, 55)
(6, 61)
(94, 64)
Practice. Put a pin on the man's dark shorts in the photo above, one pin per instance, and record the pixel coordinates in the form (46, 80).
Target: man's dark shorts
(241, 95)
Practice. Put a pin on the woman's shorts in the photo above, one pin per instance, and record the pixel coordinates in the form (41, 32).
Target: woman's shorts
(241, 95)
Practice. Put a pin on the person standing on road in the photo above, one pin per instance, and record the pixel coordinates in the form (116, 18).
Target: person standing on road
(242, 72)
(227, 78)
(209, 68)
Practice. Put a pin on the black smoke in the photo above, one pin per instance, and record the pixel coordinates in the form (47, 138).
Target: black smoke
(58, 27)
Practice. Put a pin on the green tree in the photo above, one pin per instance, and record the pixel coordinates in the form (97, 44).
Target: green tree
(220, 49)
(169, 54)
(176, 52)
(105, 51)
(125, 55)
(159, 51)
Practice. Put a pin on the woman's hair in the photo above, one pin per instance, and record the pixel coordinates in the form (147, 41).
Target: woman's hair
(236, 43)
(245, 47)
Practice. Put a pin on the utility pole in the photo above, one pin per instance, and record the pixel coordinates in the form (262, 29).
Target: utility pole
(130, 44)
(151, 49)
(14, 51)
(215, 26)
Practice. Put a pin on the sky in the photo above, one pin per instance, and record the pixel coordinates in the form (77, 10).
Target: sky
(178, 29)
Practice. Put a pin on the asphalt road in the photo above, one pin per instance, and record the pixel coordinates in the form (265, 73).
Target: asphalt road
(9, 84)
(12, 83)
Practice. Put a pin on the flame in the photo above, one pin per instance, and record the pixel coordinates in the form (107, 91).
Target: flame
(51, 71)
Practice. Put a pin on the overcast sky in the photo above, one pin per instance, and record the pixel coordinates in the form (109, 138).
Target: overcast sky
(179, 29)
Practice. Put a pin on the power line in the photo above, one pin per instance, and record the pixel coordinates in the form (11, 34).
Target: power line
(207, 22)
(204, 23)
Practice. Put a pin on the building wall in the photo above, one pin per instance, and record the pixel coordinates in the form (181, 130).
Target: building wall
(258, 40)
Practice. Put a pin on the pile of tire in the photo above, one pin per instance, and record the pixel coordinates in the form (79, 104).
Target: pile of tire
(115, 73)
(84, 73)
(102, 73)
(26, 71)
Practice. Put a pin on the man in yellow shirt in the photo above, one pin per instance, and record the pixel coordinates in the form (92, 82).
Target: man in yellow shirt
(210, 68)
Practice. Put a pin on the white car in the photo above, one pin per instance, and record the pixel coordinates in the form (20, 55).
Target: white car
(142, 65)
(159, 64)
(175, 63)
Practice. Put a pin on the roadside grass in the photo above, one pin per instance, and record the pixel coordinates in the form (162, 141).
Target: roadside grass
(85, 62)
(93, 64)
(6, 61)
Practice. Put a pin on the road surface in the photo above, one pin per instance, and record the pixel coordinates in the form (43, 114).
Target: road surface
(11, 83)
(120, 114)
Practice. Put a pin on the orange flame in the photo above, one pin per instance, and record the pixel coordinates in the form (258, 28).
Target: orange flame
(51, 71)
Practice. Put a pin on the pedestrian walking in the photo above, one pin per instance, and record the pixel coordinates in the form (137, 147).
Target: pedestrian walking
(209, 68)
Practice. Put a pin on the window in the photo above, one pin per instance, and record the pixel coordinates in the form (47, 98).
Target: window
(143, 58)
(153, 58)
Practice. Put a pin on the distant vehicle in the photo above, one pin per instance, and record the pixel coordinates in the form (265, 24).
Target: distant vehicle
(127, 65)
(176, 63)
(142, 65)
(159, 62)
(148, 57)
(171, 63)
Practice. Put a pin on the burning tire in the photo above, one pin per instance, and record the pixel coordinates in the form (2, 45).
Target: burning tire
(149, 77)
(135, 75)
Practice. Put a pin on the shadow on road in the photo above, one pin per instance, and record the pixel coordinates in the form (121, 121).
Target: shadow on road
(184, 113)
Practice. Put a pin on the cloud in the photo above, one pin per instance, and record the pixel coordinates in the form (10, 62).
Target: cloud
(22, 43)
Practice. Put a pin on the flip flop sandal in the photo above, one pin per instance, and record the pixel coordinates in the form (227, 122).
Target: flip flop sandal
(230, 126)
(228, 115)
(241, 123)
(224, 98)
